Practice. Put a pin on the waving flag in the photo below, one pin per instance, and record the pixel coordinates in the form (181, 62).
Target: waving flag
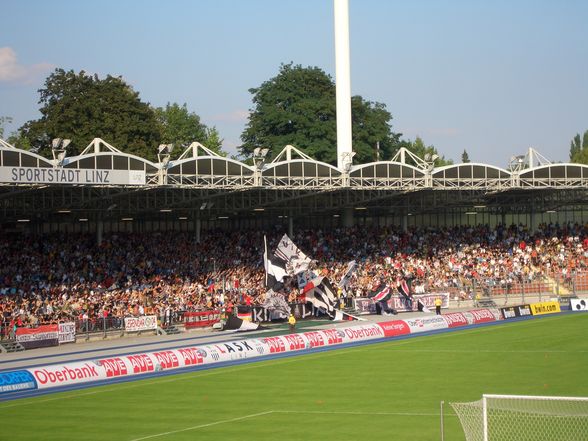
(275, 268)
(351, 266)
(296, 260)
(322, 296)
(381, 294)
(404, 290)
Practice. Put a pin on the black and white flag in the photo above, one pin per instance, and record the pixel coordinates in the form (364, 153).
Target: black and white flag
(351, 266)
(275, 269)
(296, 260)
(236, 324)
(323, 297)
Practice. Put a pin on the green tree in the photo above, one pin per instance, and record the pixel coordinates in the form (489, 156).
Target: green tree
(179, 126)
(465, 158)
(3, 121)
(579, 148)
(298, 107)
(419, 148)
(81, 107)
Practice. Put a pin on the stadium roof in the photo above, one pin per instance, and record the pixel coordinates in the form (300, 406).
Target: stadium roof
(103, 182)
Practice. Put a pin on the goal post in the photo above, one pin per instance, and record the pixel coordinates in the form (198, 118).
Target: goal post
(524, 417)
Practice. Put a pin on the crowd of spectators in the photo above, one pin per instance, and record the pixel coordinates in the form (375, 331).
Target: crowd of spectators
(51, 278)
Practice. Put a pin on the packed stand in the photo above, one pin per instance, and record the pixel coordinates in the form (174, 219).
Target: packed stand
(51, 278)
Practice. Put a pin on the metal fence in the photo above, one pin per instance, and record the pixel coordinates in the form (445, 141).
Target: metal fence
(555, 285)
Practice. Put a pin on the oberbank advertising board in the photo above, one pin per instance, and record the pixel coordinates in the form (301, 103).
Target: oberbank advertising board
(73, 176)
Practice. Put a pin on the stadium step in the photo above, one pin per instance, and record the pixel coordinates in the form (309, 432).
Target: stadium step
(11, 346)
(487, 303)
(169, 330)
(557, 288)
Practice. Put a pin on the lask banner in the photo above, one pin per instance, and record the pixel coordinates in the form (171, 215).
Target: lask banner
(71, 176)
(142, 323)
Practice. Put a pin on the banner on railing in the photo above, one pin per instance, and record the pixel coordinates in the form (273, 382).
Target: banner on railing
(401, 304)
(142, 323)
(201, 319)
(40, 337)
(67, 332)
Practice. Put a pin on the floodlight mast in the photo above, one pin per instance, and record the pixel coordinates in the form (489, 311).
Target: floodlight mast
(342, 81)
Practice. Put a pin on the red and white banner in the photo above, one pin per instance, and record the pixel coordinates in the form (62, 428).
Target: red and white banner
(476, 316)
(201, 319)
(177, 358)
(142, 323)
(39, 337)
(394, 328)
(455, 319)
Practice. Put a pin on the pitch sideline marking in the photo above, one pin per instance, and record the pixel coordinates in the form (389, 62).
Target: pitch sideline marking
(200, 426)
(268, 412)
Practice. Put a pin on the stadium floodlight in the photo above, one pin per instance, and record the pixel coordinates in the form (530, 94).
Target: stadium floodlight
(58, 149)
(427, 157)
(259, 155)
(347, 161)
(163, 153)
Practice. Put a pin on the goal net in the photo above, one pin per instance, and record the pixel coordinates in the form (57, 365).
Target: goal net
(528, 418)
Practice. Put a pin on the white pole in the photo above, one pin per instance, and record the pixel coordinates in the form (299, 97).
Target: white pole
(342, 80)
(485, 416)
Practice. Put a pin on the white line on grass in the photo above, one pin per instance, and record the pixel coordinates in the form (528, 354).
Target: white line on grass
(334, 412)
(201, 426)
(268, 412)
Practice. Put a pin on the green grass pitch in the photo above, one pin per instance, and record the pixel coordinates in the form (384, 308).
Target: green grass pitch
(385, 391)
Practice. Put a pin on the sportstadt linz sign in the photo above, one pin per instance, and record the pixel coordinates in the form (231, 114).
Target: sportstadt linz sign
(34, 175)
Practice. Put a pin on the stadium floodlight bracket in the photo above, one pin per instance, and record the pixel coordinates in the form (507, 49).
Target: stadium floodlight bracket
(259, 157)
(59, 150)
(164, 154)
(347, 161)
(430, 161)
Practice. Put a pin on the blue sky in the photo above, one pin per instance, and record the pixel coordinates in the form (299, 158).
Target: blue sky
(493, 77)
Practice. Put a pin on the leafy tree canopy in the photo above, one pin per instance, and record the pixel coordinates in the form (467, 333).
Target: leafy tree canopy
(180, 127)
(465, 158)
(298, 107)
(579, 148)
(81, 107)
(419, 148)
(4, 120)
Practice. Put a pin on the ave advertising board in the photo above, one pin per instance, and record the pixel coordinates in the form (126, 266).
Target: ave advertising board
(73, 373)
